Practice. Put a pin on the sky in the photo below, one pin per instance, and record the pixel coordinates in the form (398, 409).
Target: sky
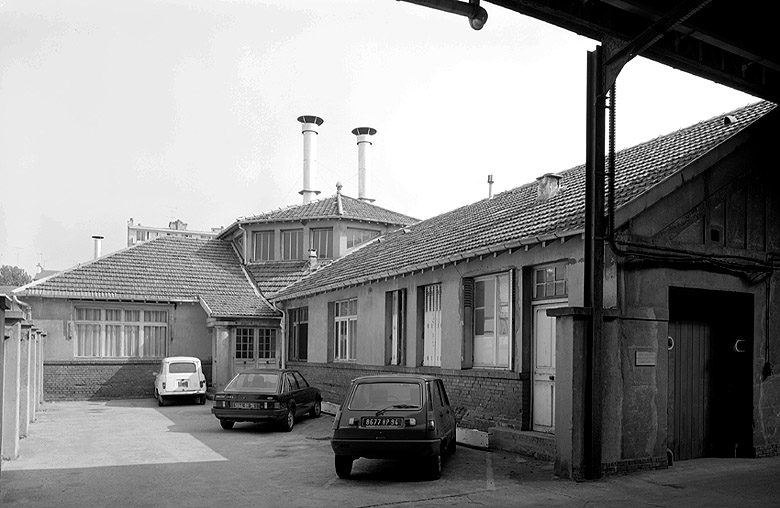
(160, 110)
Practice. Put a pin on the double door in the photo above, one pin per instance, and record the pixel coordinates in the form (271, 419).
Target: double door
(254, 348)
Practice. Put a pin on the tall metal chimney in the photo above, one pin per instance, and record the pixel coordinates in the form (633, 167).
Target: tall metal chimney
(309, 124)
(364, 169)
(98, 240)
(490, 186)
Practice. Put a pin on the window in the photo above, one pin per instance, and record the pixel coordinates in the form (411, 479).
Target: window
(492, 321)
(395, 326)
(345, 330)
(321, 240)
(356, 236)
(120, 333)
(298, 329)
(266, 344)
(550, 282)
(292, 244)
(245, 343)
(239, 243)
(264, 246)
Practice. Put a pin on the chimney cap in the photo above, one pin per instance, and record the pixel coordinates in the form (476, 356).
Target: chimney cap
(357, 131)
(98, 237)
(310, 119)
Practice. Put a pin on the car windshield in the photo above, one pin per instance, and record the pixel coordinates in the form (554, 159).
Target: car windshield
(181, 368)
(254, 382)
(385, 395)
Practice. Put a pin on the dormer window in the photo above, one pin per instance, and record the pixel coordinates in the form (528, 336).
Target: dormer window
(357, 236)
(264, 246)
(321, 240)
(292, 244)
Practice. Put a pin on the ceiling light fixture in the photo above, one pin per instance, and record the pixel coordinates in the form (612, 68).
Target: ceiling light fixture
(471, 9)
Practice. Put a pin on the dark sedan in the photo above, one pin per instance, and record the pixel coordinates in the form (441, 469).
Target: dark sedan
(267, 396)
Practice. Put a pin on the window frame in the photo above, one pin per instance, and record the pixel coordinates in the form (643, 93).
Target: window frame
(501, 355)
(345, 330)
(288, 237)
(559, 279)
(120, 332)
(263, 245)
(297, 340)
(315, 242)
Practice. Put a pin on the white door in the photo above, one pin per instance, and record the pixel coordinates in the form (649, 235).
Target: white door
(544, 369)
(254, 348)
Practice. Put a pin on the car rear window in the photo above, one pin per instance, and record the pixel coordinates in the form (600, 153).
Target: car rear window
(181, 368)
(253, 382)
(376, 396)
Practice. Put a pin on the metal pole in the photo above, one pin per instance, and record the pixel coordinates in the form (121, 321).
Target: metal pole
(594, 261)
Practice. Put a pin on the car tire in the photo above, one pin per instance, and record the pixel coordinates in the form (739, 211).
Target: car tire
(433, 466)
(316, 410)
(202, 399)
(289, 420)
(343, 466)
(226, 424)
(160, 400)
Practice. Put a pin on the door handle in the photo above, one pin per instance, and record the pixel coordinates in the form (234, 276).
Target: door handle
(552, 378)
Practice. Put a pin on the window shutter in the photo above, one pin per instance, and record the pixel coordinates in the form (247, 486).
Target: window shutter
(467, 351)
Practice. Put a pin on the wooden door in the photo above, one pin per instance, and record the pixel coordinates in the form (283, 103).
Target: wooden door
(688, 390)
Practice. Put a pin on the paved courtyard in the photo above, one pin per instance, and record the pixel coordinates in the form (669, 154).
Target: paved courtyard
(132, 453)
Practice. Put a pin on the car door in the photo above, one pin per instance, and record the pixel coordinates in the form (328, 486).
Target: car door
(305, 392)
(293, 392)
(446, 414)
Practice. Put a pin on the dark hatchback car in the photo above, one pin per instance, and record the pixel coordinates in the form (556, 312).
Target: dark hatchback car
(400, 416)
(266, 396)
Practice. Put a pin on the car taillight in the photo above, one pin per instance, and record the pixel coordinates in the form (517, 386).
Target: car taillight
(431, 422)
(411, 422)
(337, 419)
(163, 385)
(220, 403)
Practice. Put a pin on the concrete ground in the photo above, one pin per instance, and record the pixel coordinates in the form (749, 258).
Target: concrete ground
(131, 453)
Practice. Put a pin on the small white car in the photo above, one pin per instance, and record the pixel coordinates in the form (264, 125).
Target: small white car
(180, 376)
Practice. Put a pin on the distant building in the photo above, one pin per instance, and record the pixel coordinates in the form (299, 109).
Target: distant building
(137, 233)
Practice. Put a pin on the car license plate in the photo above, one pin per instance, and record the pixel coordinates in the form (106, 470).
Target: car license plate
(184, 384)
(245, 405)
(382, 422)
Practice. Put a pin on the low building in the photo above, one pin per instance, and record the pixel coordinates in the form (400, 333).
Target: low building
(490, 297)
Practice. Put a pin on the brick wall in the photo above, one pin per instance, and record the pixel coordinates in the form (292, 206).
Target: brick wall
(102, 379)
(481, 398)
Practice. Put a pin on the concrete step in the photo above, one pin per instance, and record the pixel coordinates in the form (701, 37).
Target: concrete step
(539, 445)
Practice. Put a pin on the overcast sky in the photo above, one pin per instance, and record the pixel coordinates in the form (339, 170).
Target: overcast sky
(163, 110)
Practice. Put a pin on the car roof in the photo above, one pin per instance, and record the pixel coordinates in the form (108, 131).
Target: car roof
(394, 377)
(170, 359)
(265, 371)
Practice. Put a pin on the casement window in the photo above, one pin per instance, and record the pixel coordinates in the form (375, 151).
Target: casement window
(298, 333)
(292, 244)
(489, 340)
(345, 330)
(321, 240)
(120, 332)
(238, 242)
(550, 282)
(431, 325)
(264, 246)
(357, 236)
(395, 327)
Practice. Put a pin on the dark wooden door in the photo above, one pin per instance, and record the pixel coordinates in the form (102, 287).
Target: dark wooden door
(689, 388)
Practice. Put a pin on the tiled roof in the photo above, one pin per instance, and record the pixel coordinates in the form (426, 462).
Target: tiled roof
(271, 276)
(517, 216)
(165, 269)
(337, 206)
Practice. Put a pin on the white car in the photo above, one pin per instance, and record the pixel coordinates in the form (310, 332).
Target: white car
(180, 376)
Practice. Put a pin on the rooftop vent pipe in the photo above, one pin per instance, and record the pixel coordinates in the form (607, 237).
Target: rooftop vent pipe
(364, 172)
(98, 242)
(309, 124)
(490, 186)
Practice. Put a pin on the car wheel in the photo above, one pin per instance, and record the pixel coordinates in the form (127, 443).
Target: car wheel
(160, 400)
(434, 466)
(343, 466)
(202, 399)
(316, 410)
(289, 420)
(226, 424)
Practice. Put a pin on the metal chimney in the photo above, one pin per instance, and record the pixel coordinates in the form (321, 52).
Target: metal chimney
(98, 240)
(309, 124)
(364, 173)
(490, 186)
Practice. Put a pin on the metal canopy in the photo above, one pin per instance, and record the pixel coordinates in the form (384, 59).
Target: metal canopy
(728, 42)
